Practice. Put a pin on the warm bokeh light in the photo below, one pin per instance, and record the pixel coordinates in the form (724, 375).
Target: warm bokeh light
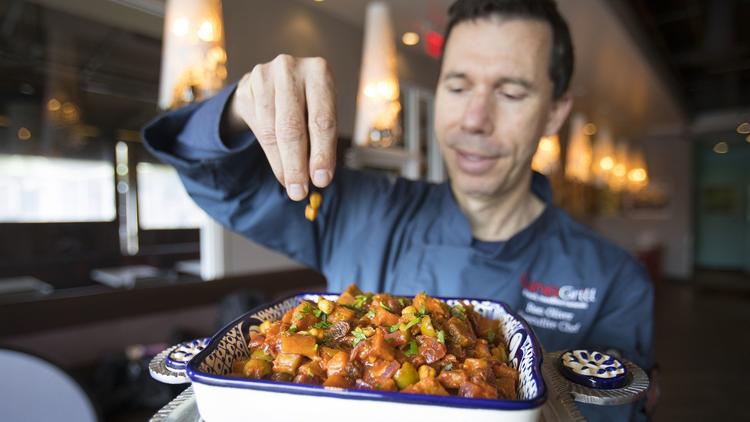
(603, 156)
(589, 129)
(193, 58)
(206, 32)
(410, 38)
(721, 147)
(53, 104)
(180, 27)
(637, 175)
(24, 134)
(607, 163)
(747, 139)
(620, 170)
(546, 160)
(743, 128)
(579, 153)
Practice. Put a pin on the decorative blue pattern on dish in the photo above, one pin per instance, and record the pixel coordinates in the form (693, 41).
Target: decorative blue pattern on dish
(178, 358)
(593, 369)
(214, 364)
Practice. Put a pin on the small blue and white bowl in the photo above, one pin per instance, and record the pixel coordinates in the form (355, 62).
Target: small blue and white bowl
(593, 369)
(221, 397)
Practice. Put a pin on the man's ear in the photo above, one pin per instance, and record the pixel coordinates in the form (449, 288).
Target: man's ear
(557, 114)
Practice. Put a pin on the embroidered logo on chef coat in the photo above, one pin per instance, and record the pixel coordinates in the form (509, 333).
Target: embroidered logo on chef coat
(554, 307)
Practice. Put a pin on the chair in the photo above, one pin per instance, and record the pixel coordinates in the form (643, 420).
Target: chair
(35, 390)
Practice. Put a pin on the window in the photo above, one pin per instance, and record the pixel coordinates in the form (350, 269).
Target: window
(162, 200)
(38, 189)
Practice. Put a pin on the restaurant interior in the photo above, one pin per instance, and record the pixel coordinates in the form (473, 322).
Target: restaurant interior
(105, 260)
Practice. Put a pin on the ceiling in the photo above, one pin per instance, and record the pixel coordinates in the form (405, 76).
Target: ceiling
(706, 46)
(639, 63)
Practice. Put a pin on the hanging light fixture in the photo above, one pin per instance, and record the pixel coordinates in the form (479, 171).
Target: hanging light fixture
(638, 172)
(618, 179)
(193, 64)
(578, 157)
(378, 106)
(546, 159)
(603, 157)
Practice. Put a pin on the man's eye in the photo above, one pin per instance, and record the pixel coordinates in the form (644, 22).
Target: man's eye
(513, 96)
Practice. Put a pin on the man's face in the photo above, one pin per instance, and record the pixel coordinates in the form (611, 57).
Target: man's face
(494, 101)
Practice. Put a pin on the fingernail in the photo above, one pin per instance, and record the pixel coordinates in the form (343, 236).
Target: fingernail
(321, 177)
(296, 191)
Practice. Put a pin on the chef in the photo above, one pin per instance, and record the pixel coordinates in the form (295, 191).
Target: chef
(251, 155)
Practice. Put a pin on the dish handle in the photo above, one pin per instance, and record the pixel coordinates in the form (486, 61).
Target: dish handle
(169, 365)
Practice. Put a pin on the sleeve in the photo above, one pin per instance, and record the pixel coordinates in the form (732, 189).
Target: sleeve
(232, 182)
(625, 325)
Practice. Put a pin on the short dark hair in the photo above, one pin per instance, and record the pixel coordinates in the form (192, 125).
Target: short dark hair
(561, 54)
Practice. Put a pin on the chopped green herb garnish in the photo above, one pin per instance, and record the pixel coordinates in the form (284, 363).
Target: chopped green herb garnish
(422, 311)
(298, 317)
(386, 307)
(441, 336)
(459, 311)
(413, 322)
(359, 335)
(491, 336)
(322, 325)
(448, 367)
(370, 314)
(412, 350)
(292, 328)
(401, 301)
(393, 328)
(317, 312)
(306, 308)
(359, 301)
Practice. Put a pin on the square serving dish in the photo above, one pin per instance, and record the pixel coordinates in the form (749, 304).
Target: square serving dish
(221, 397)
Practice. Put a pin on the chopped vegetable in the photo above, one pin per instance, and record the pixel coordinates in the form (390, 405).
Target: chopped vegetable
(383, 342)
(386, 307)
(325, 306)
(426, 327)
(412, 350)
(426, 371)
(359, 335)
(406, 376)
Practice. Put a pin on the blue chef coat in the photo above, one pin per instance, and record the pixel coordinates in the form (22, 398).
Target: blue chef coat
(575, 288)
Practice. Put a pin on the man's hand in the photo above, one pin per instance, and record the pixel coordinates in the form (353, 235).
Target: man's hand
(289, 104)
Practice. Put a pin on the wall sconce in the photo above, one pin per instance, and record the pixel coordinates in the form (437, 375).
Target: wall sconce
(377, 122)
(618, 179)
(603, 157)
(193, 63)
(579, 155)
(638, 173)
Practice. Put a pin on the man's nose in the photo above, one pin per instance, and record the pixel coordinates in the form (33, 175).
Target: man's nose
(477, 117)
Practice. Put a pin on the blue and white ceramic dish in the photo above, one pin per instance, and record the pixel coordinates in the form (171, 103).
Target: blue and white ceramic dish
(593, 369)
(226, 398)
(178, 358)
